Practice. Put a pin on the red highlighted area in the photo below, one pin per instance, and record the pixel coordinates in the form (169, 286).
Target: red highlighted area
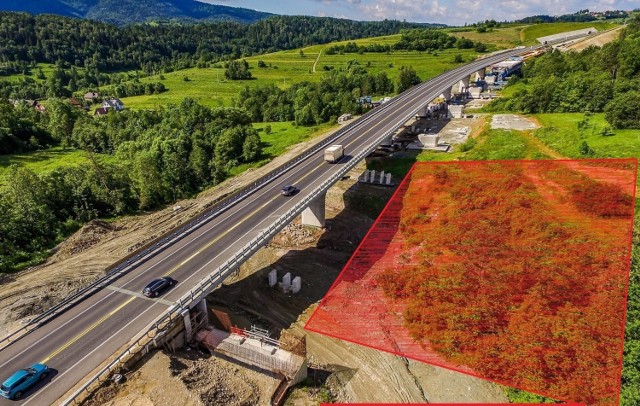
(516, 272)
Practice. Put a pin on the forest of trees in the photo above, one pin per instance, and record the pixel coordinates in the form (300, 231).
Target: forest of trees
(578, 17)
(603, 79)
(26, 39)
(162, 156)
(308, 103)
(412, 40)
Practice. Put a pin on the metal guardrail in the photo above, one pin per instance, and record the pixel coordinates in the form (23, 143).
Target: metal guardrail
(157, 329)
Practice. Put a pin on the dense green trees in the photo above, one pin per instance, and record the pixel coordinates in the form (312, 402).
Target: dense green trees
(22, 128)
(36, 211)
(580, 16)
(408, 78)
(412, 40)
(314, 103)
(422, 40)
(624, 110)
(163, 156)
(353, 48)
(237, 70)
(25, 39)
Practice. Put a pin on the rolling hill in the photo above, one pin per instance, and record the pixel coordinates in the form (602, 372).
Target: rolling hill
(132, 11)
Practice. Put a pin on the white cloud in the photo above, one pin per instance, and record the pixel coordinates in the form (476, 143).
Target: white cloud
(469, 11)
(455, 12)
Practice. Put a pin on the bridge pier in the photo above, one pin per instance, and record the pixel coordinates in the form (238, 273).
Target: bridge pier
(446, 95)
(464, 84)
(480, 75)
(314, 215)
(199, 308)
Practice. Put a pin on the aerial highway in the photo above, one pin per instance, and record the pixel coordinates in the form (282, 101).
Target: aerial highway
(82, 338)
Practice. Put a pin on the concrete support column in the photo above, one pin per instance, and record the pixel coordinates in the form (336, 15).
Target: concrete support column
(447, 94)
(314, 215)
(480, 75)
(188, 328)
(201, 308)
(464, 84)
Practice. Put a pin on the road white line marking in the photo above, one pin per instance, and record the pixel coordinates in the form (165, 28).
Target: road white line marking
(140, 295)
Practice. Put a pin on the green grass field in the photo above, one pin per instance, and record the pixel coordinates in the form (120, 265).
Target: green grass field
(283, 136)
(208, 86)
(47, 70)
(502, 38)
(561, 133)
(503, 145)
(530, 33)
(45, 161)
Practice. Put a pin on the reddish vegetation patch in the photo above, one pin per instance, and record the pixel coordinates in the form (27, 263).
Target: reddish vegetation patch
(512, 271)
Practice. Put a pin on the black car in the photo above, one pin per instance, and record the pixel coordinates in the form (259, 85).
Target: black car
(157, 286)
(288, 190)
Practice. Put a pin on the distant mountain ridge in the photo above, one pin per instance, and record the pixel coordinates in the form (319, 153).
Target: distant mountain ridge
(122, 12)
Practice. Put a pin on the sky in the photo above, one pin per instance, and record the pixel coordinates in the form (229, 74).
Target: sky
(452, 12)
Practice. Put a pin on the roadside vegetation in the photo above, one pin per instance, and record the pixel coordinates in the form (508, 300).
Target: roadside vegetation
(555, 82)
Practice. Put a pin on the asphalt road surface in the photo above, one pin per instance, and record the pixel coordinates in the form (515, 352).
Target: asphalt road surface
(81, 339)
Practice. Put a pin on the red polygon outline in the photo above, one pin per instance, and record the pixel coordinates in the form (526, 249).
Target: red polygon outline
(447, 404)
(401, 189)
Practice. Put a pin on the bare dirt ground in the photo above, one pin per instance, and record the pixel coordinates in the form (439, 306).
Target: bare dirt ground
(512, 122)
(598, 40)
(188, 377)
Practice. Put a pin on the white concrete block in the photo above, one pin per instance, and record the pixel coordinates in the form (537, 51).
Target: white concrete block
(296, 284)
(286, 282)
(273, 278)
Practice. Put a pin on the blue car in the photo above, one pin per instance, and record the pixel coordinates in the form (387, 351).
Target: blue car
(23, 379)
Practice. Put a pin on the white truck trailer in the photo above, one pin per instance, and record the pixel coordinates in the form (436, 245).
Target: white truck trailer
(333, 153)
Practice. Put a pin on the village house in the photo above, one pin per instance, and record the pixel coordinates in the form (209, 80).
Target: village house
(101, 111)
(91, 97)
(113, 103)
